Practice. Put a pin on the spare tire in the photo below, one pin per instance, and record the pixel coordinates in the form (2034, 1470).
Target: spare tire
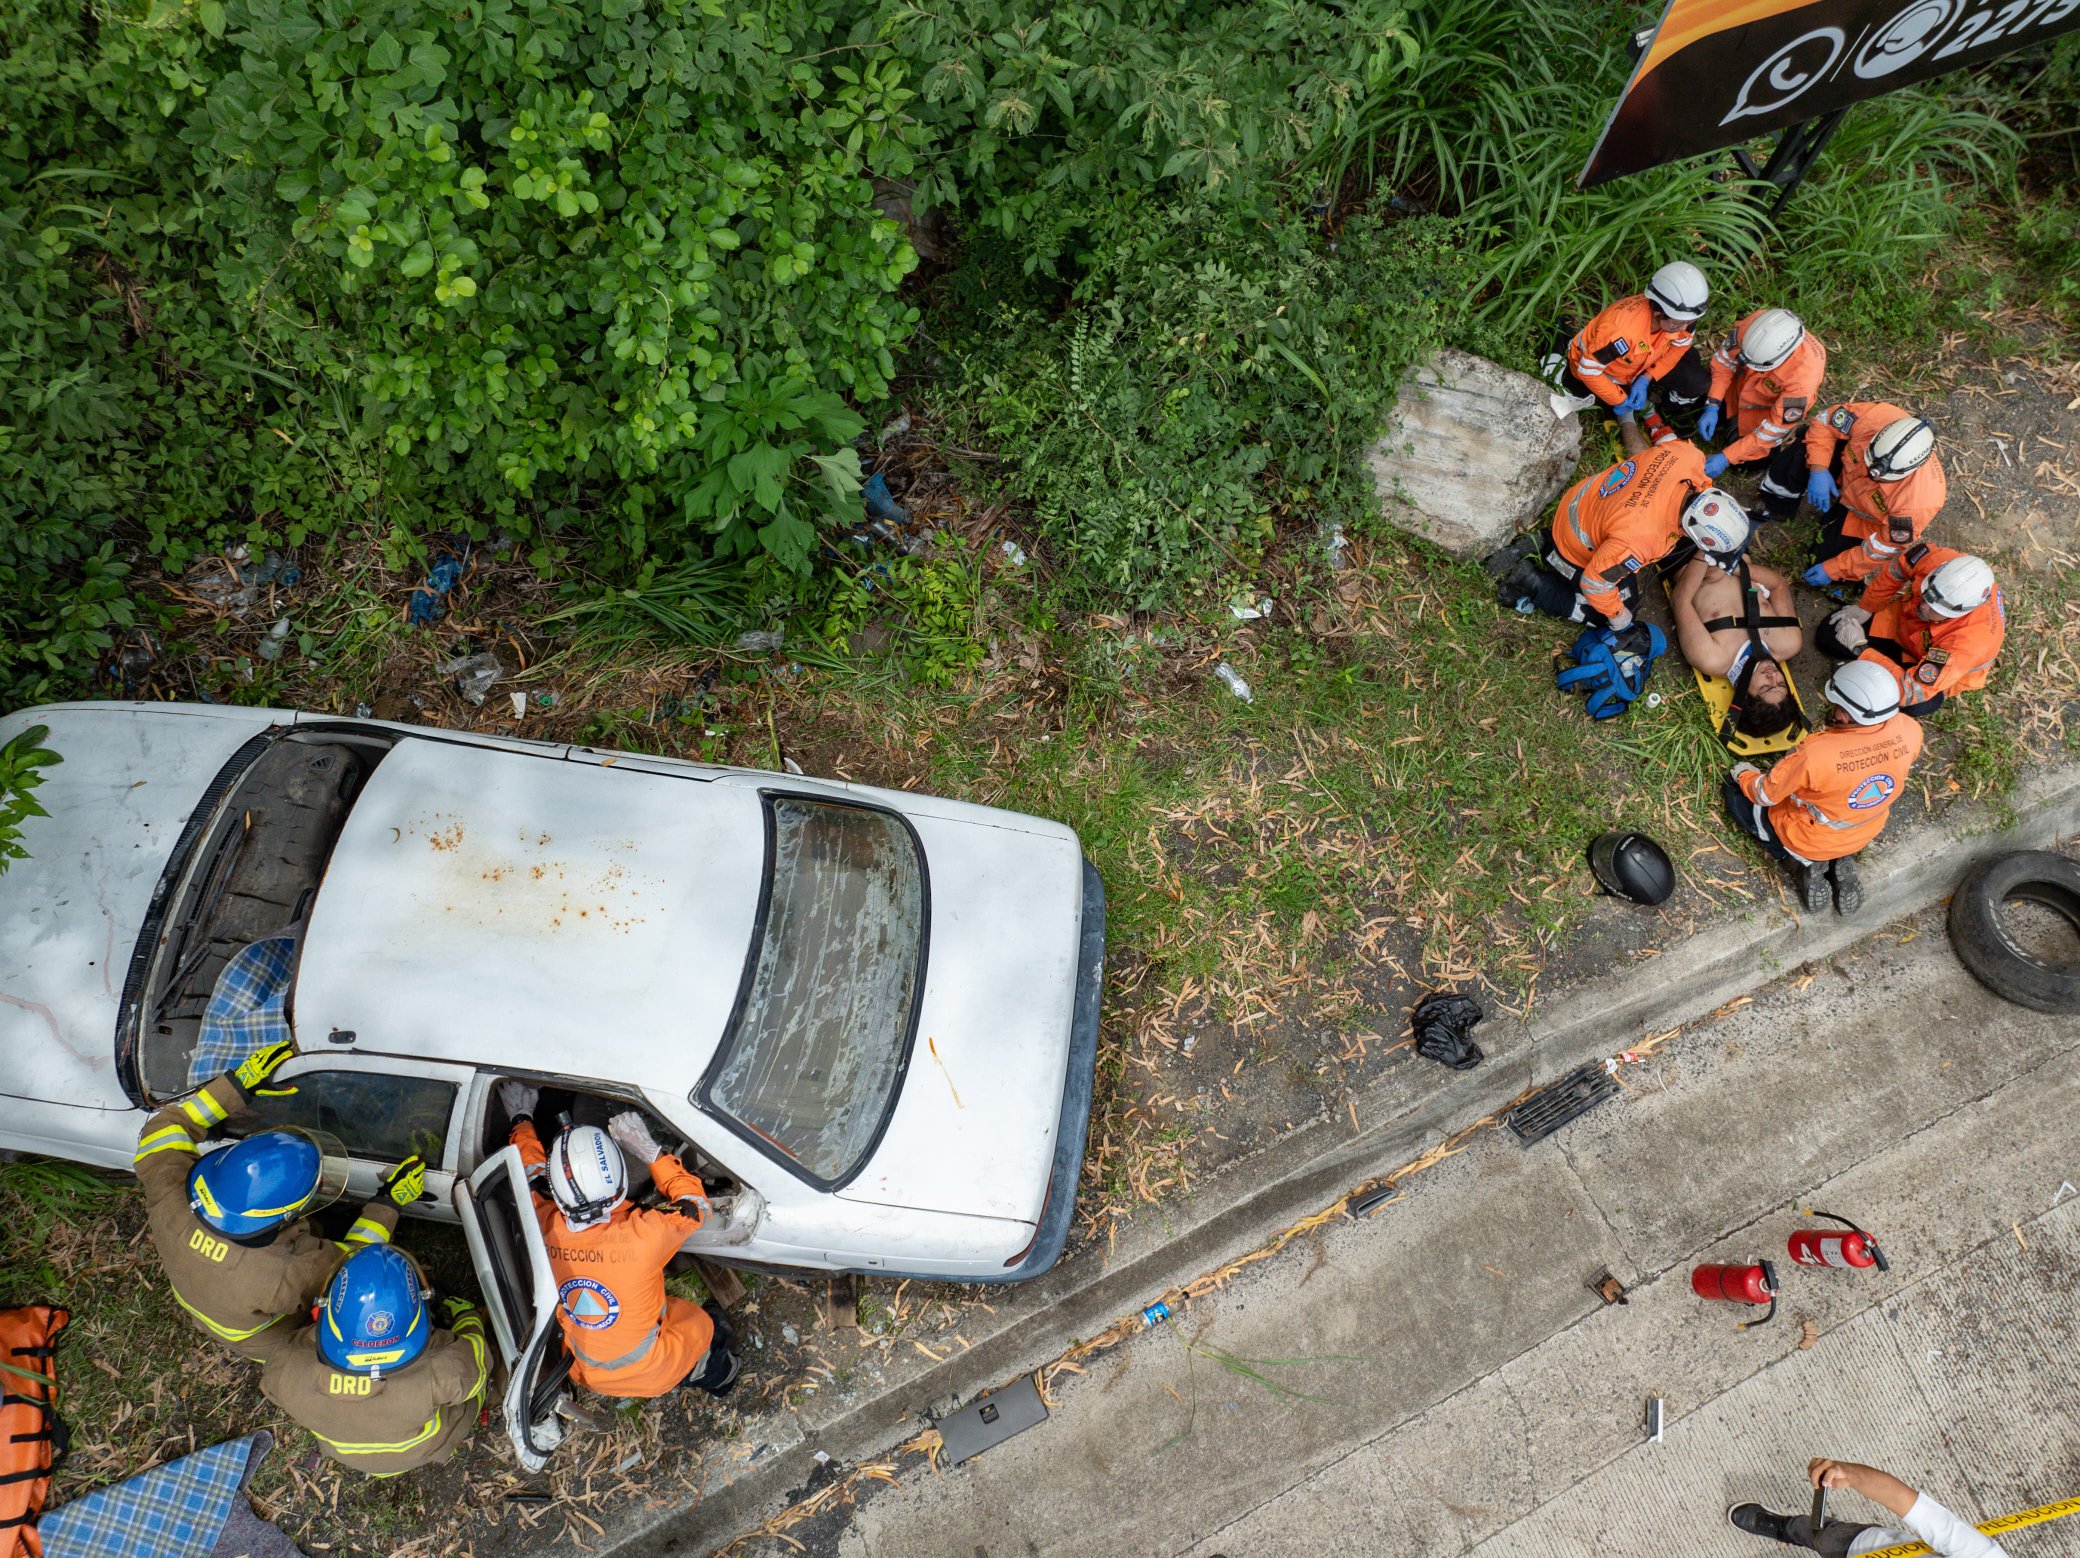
(1986, 944)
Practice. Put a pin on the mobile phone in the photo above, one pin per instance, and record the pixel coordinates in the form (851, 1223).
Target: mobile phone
(1819, 1507)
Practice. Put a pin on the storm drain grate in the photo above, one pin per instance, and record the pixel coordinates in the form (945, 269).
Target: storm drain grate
(1573, 1096)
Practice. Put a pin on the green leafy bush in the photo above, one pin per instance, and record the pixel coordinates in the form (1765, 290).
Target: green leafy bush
(1217, 373)
(20, 759)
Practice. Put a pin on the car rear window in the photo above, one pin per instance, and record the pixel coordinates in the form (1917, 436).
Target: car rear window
(817, 1047)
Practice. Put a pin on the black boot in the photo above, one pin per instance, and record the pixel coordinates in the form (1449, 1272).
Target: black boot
(1757, 1521)
(1848, 886)
(1813, 889)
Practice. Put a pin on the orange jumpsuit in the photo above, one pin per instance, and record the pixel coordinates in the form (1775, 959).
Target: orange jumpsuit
(626, 1336)
(1612, 350)
(1766, 407)
(1613, 524)
(1887, 517)
(1952, 654)
(1829, 796)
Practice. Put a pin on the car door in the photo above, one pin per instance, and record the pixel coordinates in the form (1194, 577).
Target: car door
(505, 1242)
(381, 1109)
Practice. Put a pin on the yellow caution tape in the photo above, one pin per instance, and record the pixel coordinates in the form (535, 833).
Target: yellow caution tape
(2014, 1522)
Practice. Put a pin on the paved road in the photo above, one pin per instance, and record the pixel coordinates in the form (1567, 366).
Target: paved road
(1453, 1388)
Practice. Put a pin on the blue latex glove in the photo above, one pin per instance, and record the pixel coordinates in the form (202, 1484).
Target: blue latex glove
(1708, 424)
(1714, 466)
(1821, 490)
(1635, 400)
(1816, 576)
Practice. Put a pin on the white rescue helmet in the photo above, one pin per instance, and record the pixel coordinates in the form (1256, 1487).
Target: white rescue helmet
(1899, 448)
(1679, 290)
(1770, 337)
(1865, 691)
(1962, 584)
(586, 1175)
(1715, 522)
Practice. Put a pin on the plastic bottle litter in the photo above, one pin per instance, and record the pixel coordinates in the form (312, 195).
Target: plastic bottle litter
(881, 504)
(1246, 610)
(761, 639)
(545, 700)
(475, 675)
(1236, 684)
(895, 429)
(425, 606)
(1014, 554)
(277, 640)
(1338, 548)
(276, 569)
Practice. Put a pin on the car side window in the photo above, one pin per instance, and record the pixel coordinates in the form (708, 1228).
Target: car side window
(379, 1115)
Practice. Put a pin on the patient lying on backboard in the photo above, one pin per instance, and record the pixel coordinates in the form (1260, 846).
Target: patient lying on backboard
(1720, 636)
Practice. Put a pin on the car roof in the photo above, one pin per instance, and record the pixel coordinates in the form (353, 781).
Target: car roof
(534, 912)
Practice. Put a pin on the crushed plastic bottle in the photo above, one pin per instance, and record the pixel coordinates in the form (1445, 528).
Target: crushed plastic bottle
(1338, 548)
(475, 675)
(1228, 674)
(425, 606)
(276, 569)
(277, 639)
(759, 640)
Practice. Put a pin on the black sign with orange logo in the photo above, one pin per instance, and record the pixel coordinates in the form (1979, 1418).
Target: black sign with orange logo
(1719, 72)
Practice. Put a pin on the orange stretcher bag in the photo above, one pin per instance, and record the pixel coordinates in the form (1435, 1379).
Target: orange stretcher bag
(32, 1435)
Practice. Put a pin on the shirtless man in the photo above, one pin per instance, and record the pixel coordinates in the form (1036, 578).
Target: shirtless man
(1707, 605)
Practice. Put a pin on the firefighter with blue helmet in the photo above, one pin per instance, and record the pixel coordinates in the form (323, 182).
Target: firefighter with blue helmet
(373, 1378)
(233, 1226)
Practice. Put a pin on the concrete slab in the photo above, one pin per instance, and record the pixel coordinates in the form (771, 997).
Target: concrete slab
(1473, 1396)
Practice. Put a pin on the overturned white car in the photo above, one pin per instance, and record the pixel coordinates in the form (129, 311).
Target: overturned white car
(867, 1019)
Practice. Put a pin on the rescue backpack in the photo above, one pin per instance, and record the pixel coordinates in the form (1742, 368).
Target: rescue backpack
(33, 1437)
(1612, 668)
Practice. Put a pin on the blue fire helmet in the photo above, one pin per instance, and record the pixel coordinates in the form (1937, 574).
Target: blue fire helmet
(372, 1318)
(254, 1186)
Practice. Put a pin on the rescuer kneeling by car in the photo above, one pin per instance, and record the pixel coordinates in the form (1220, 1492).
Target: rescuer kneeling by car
(626, 1335)
(1830, 795)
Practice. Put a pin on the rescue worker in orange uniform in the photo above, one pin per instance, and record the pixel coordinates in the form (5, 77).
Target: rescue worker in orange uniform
(1613, 524)
(1872, 472)
(1829, 796)
(626, 1335)
(1640, 347)
(234, 1227)
(1934, 617)
(1765, 381)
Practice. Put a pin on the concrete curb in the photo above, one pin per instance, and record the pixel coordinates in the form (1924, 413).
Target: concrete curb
(1241, 1207)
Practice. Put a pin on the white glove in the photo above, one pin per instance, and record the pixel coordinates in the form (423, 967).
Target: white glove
(1621, 621)
(1743, 768)
(700, 1206)
(517, 1098)
(1847, 626)
(628, 1129)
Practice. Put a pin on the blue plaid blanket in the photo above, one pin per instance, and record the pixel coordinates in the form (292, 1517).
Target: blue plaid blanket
(178, 1510)
(246, 1010)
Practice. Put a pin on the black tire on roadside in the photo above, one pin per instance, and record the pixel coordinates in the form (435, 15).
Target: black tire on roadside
(1985, 947)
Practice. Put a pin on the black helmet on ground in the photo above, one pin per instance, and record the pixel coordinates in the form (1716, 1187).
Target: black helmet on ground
(1631, 865)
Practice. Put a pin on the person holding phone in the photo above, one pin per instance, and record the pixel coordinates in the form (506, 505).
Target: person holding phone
(1923, 1519)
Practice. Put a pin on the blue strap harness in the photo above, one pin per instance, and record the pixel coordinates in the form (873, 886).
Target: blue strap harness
(1612, 668)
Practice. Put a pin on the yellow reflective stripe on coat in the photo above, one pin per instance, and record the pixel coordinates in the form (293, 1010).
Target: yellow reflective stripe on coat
(433, 1427)
(228, 1333)
(470, 1329)
(367, 1230)
(168, 1138)
(204, 1110)
(2018, 1521)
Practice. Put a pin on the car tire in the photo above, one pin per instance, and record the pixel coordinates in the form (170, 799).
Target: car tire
(1986, 947)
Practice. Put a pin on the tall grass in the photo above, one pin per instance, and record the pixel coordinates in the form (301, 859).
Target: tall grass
(1504, 103)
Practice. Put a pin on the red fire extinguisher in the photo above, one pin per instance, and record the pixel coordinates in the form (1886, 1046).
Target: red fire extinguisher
(1756, 1284)
(1830, 1247)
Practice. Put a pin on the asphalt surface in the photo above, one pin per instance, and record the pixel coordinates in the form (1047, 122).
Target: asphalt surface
(1446, 1383)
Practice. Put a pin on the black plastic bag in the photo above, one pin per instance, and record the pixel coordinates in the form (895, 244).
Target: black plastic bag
(1444, 1029)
